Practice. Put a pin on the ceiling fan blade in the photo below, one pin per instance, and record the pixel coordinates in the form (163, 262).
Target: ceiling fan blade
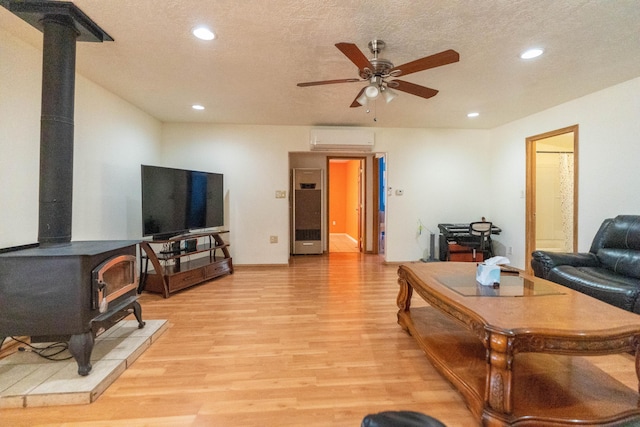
(328, 82)
(355, 102)
(414, 89)
(355, 55)
(442, 58)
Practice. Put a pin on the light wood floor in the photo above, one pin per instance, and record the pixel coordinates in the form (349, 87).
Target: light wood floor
(313, 344)
(340, 242)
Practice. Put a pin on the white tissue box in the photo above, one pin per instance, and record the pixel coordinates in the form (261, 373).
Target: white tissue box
(488, 275)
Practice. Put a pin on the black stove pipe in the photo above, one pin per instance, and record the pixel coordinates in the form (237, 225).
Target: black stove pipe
(56, 129)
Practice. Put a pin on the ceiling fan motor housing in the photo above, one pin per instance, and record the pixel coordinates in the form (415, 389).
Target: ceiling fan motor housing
(376, 46)
(381, 67)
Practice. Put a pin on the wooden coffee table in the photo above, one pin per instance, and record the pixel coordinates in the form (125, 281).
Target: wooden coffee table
(472, 334)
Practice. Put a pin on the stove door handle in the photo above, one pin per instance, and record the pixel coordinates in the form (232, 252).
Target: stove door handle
(103, 304)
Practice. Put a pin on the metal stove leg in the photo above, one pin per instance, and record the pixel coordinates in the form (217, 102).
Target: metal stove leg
(137, 311)
(80, 347)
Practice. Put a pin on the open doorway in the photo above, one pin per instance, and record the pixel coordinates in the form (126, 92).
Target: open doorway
(346, 204)
(552, 191)
(371, 222)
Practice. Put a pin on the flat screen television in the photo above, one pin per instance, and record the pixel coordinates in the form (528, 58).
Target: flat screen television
(175, 201)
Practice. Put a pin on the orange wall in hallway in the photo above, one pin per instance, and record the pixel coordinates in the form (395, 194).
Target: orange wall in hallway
(337, 197)
(343, 197)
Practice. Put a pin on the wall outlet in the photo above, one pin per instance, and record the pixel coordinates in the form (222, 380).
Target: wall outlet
(273, 239)
(510, 250)
(281, 194)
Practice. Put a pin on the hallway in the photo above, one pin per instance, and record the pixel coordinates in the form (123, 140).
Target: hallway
(341, 242)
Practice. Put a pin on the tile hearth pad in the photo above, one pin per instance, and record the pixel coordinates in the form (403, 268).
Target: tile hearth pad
(28, 380)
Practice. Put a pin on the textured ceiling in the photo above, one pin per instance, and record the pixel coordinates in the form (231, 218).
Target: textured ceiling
(248, 74)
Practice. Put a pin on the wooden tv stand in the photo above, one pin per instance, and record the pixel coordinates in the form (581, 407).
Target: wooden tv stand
(173, 267)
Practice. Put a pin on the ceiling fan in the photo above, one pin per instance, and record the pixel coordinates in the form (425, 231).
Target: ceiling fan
(377, 71)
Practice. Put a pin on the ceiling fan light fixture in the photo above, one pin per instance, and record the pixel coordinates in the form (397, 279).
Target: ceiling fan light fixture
(362, 99)
(372, 91)
(389, 95)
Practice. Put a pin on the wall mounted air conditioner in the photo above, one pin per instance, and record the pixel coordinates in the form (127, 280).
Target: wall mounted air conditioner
(341, 139)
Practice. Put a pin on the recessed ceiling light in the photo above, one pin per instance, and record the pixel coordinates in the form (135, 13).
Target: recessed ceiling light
(197, 107)
(474, 114)
(531, 53)
(203, 33)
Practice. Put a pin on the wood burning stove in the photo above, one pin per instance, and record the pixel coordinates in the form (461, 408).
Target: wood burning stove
(57, 289)
(68, 293)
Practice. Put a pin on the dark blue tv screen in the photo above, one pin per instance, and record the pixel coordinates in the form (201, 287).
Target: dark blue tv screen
(175, 201)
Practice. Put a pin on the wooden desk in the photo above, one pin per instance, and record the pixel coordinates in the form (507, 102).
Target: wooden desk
(463, 253)
(472, 334)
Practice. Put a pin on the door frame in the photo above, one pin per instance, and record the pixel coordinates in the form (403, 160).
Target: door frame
(375, 247)
(530, 222)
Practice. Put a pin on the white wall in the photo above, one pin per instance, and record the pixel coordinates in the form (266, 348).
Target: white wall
(608, 153)
(254, 160)
(443, 176)
(20, 90)
(112, 138)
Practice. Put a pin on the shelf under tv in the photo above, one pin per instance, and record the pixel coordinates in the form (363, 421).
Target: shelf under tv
(174, 268)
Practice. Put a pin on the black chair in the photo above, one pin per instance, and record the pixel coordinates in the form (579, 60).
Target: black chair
(480, 231)
(400, 419)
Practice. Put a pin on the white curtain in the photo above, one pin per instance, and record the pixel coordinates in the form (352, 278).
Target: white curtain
(566, 198)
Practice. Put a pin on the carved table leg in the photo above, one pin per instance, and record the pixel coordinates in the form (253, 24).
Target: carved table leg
(404, 302)
(499, 374)
(80, 347)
